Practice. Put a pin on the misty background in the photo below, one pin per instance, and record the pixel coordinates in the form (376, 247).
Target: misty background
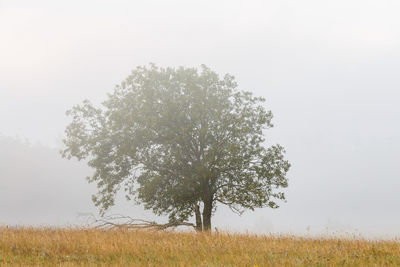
(328, 69)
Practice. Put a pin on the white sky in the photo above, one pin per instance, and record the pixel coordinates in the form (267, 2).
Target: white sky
(329, 71)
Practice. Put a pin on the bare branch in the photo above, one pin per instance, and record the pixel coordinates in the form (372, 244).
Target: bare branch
(118, 221)
(231, 206)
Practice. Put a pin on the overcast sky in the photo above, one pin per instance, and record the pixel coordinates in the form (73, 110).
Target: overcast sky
(328, 69)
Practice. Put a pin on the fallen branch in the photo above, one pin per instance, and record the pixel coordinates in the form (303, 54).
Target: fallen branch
(125, 222)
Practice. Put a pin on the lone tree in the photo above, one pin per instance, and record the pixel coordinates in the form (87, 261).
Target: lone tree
(179, 140)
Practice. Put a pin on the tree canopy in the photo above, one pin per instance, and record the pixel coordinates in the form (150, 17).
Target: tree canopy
(179, 140)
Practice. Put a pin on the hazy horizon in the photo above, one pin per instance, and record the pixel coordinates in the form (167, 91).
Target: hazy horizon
(327, 70)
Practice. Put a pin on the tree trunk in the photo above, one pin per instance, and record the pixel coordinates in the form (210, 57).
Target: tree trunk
(199, 226)
(207, 215)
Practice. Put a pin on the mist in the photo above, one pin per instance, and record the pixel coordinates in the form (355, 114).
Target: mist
(327, 70)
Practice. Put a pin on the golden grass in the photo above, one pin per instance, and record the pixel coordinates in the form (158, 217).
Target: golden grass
(70, 247)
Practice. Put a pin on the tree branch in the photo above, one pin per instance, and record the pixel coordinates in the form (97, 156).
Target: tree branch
(125, 222)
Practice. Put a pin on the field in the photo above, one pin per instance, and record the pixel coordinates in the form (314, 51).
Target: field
(70, 247)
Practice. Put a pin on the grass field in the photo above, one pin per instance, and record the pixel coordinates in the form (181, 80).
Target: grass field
(70, 247)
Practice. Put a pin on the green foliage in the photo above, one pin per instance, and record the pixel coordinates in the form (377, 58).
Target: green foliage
(175, 137)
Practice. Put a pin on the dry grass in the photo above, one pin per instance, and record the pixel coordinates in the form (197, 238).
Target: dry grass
(68, 247)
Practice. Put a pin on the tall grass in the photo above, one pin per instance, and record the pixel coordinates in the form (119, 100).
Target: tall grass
(68, 247)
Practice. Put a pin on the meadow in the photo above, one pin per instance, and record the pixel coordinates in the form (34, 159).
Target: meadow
(93, 247)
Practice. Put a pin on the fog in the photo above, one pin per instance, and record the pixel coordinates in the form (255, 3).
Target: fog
(329, 72)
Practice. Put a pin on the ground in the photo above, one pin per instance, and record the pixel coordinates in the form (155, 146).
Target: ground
(92, 247)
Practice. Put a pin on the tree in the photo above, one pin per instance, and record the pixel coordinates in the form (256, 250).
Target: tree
(179, 140)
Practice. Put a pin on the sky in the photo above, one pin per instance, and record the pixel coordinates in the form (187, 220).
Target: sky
(328, 70)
